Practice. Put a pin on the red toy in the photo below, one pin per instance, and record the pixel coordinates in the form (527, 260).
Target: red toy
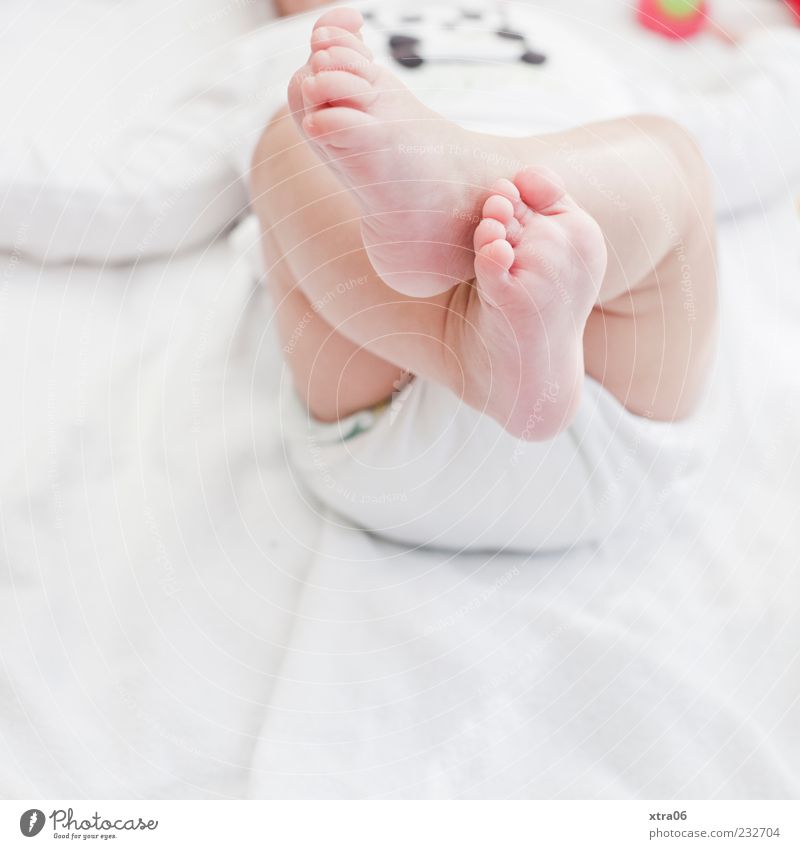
(680, 19)
(677, 19)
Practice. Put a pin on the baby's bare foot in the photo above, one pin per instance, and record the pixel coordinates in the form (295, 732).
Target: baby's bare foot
(539, 263)
(420, 194)
(538, 258)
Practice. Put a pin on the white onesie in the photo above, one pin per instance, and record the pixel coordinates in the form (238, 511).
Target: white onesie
(426, 469)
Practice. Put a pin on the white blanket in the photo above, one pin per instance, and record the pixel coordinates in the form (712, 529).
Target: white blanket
(178, 620)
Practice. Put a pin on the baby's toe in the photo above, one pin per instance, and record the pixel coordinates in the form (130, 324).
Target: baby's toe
(338, 127)
(489, 230)
(541, 189)
(499, 208)
(500, 253)
(492, 264)
(507, 189)
(343, 17)
(509, 213)
(337, 88)
(344, 59)
(324, 38)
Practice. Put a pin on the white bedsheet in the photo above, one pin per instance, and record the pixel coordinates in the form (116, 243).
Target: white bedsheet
(151, 550)
(176, 620)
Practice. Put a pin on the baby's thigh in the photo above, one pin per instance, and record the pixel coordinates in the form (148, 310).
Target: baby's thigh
(652, 347)
(332, 375)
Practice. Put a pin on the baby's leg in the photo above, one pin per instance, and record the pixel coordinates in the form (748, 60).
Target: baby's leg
(419, 186)
(334, 376)
(640, 340)
(420, 180)
(501, 351)
(315, 260)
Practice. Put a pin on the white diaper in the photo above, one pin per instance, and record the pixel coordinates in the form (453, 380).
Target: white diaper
(425, 469)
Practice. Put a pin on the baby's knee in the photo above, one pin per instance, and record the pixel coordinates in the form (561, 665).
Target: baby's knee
(693, 181)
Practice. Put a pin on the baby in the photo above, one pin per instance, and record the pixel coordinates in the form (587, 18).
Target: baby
(486, 274)
(504, 270)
